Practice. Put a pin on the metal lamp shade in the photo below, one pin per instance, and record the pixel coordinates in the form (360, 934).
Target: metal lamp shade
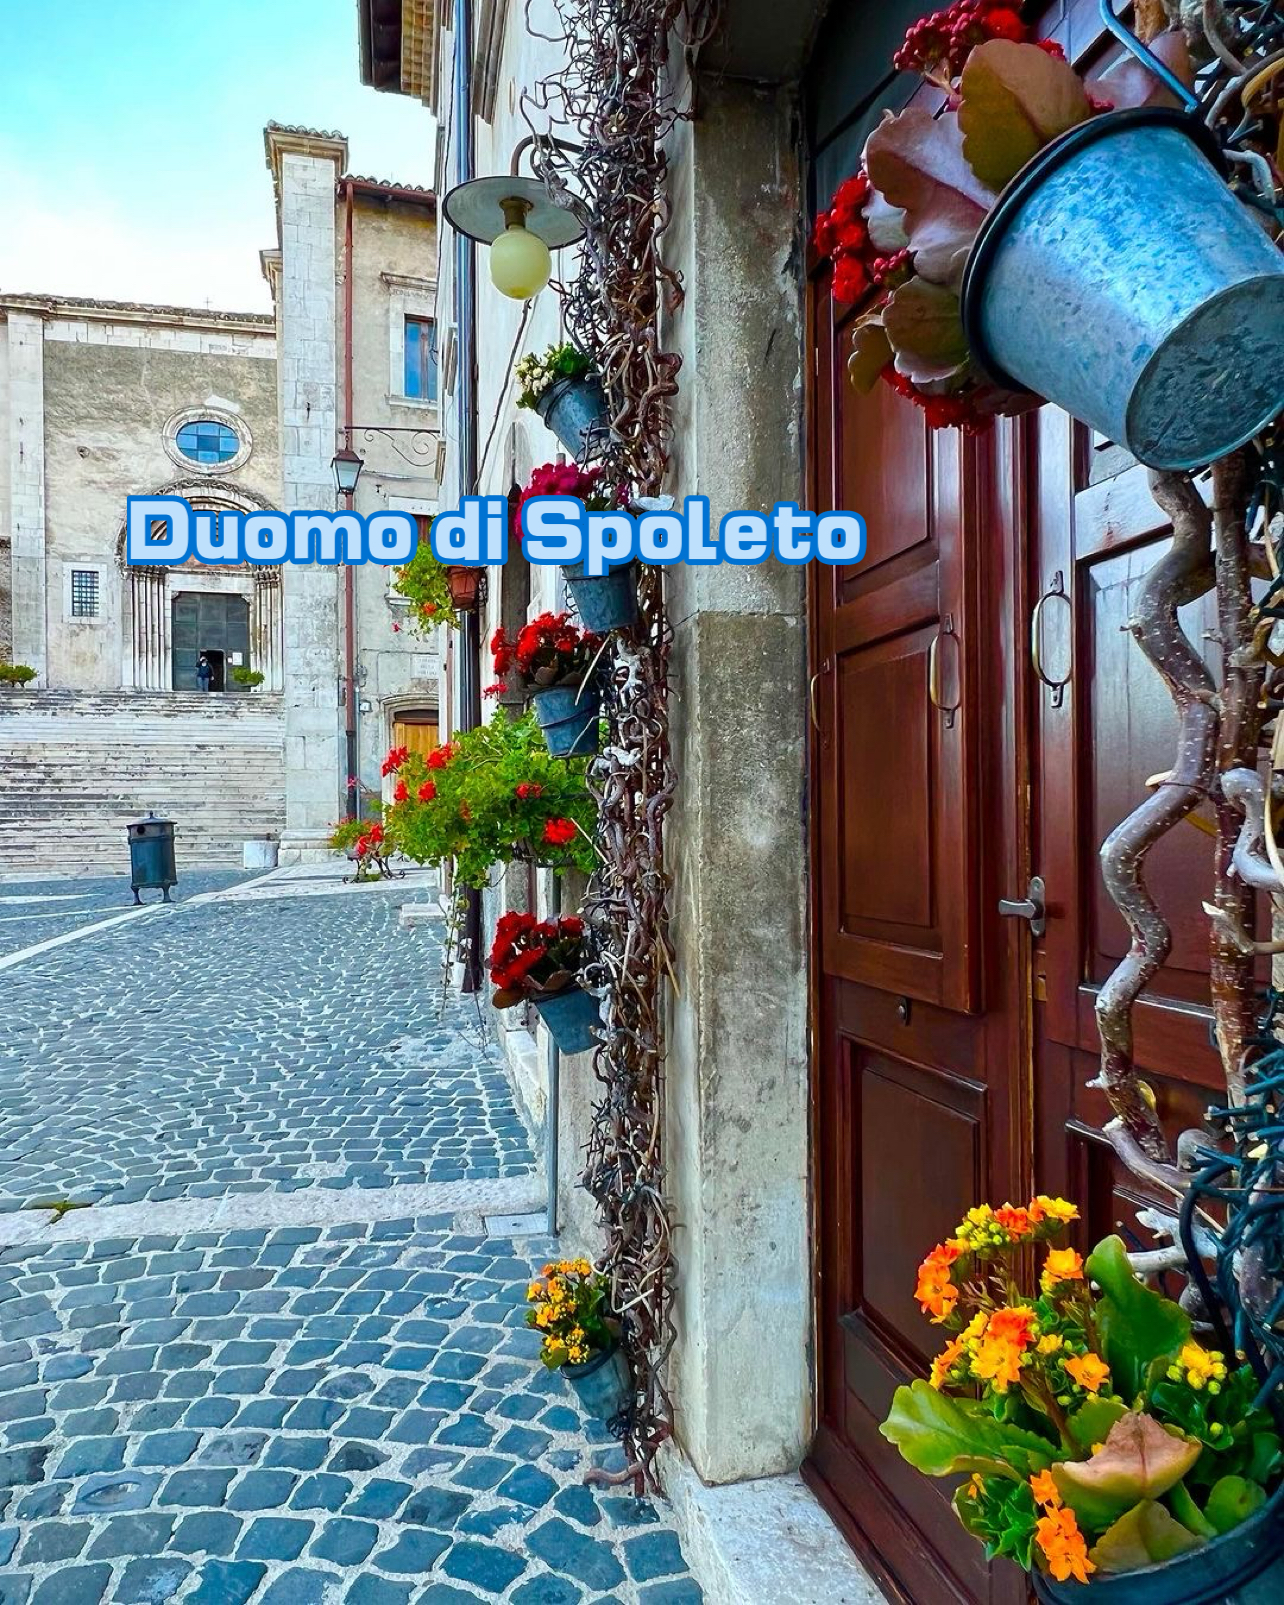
(476, 209)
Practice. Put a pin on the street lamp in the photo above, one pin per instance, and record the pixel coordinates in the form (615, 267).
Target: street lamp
(520, 220)
(346, 466)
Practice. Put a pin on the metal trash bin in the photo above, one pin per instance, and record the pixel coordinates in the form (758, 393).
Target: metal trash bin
(151, 856)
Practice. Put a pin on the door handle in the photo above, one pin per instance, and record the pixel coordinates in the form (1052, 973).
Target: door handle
(1030, 907)
(1056, 592)
(935, 696)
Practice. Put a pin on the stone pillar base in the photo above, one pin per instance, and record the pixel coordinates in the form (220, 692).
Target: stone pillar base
(305, 847)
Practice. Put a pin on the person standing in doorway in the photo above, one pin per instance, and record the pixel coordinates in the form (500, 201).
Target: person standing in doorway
(204, 672)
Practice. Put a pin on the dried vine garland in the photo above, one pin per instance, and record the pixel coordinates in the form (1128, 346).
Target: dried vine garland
(600, 124)
(1224, 721)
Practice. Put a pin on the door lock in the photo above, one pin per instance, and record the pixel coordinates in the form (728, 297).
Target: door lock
(1031, 907)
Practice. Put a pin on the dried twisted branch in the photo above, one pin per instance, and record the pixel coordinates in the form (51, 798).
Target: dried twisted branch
(1182, 575)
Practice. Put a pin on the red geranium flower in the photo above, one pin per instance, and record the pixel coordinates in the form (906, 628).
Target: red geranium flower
(401, 792)
(557, 832)
(427, 791)
(396, 757)
(528, 789)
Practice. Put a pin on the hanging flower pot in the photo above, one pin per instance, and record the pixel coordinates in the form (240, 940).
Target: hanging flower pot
(464, 584)
(576, 411)
(608, 602)
(571, 1017)
(568, 716)
(602, 1384)
(1120, 278)
(1243, 1567)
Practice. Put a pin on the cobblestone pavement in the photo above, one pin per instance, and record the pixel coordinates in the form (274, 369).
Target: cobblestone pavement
(302, 1414)
(295, 1416)
(32, 911)
(236, 1047)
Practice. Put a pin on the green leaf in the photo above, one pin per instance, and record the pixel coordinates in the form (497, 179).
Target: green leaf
(1188, 1513)
(925, 327)
(1128, 83)
(1136, 1325)
(1015, 99)
(1233, 1500)
(1145, 1536)
(1091, 1422)
(942, 1437)
(916, 162)
(1140, 1459)
(871, 352)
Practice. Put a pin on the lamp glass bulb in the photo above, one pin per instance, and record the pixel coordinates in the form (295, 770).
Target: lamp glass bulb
(520, 263)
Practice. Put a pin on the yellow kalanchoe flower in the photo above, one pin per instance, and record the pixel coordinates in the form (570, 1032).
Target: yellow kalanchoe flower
(1198, 1368)
(1061, 1265)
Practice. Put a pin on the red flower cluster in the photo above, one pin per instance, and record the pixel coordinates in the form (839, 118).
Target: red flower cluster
(557, 832)
(549, 643)
(842, 235)
(427, 791)
(401, 793)
(495, 689)
(528, 789)
(560, 479)
(522, 943)
(939, 45)
(941, 412)
(439, 757)
(370, 844)
(396, 757)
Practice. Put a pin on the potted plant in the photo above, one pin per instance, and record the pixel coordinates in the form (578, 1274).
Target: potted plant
(988, 237)
(562, 388)
(604, 602)
(492, 796)
(570, 1309)
(16, 674)
(554, 662)
(246, 676)
(1102, 1443)
(535, 961)
(427, 590)
(367, 844)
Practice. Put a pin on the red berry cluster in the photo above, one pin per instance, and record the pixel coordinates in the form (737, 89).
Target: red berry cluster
(939, 45)
(524, 944)
(958, 411)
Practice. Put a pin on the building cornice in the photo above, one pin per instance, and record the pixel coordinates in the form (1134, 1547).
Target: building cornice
(399, 46)
(96, 311)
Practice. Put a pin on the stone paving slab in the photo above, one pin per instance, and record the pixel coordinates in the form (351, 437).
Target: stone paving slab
(302, 1416)
(236, 1047)
(32, 911)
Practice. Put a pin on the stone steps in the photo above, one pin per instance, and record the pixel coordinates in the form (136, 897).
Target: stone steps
(77, 767)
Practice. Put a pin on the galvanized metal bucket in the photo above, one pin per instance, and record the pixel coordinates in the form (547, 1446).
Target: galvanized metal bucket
(602, 1384)
(605, 602)
(568, 715)
(571, 1018)
(575, 410)
(1120, 278)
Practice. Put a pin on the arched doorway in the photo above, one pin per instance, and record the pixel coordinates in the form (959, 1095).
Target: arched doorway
(171, 615)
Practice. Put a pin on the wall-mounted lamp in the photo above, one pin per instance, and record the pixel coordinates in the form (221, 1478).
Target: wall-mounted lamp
(520, 220)
(346, 465)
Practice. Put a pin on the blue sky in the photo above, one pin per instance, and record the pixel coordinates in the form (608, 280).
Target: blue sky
(131, 139)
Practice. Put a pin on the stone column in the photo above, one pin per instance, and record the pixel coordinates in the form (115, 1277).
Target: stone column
(305, 167)
(738, 1070)
(27, 490)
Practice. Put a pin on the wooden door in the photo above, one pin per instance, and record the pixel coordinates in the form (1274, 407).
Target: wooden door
(950, 764)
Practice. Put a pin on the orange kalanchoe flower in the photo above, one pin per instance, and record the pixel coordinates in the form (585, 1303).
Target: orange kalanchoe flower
(1013, 1220)
(1057, 1535)
(935, 1292)
(945, 1362)
(1061, 1265)
(1001, 1351)
(1089, 1371)
(1045, 1490)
